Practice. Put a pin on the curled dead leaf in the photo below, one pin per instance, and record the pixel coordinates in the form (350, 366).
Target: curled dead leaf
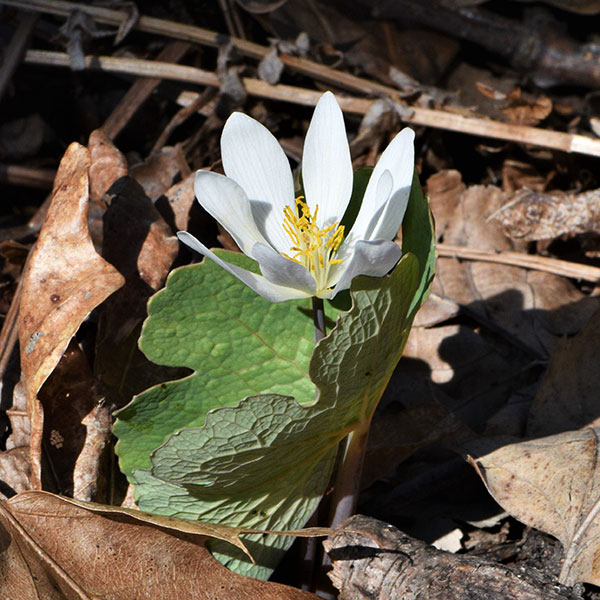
(90, 551)
(64, 281)
(530, 216)
(552, 484)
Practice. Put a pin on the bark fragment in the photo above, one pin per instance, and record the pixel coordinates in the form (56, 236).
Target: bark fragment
(382, 562)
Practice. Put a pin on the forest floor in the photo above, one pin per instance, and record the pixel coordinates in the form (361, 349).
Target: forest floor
(482, 474)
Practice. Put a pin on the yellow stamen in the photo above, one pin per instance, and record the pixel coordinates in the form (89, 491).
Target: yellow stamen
(313, 248)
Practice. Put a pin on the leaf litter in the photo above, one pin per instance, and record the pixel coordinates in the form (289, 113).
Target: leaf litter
(496, 350)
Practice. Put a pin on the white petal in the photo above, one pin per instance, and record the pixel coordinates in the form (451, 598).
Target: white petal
(326, 164)
(253, 158)
(263, 287)
(373, 258)
(381, 214)
(227, 202)
(283, 271)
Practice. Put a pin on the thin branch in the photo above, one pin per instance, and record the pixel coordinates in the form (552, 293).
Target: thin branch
(527, 261)
(428, 117)
(139, 92)
(14, 52)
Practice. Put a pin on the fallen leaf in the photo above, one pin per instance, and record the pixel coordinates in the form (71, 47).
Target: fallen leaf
(532, 309)
(552, 484)
(19, 420)
(139, 243)
(157, 173)
(396, 433)
(107, 165)
(179, 198)
(64, 281)
(92, 551)
(14, 471)
(521, 110)
(67, 397)
(529, 215)
(517, 175)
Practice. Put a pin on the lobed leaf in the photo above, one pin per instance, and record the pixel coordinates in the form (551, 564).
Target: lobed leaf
(265, 462)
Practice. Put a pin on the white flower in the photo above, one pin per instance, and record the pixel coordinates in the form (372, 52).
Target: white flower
(298, 242)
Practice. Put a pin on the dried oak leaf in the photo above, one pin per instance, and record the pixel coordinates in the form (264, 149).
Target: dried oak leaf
(552, 484)
(69, 397)
(157, 172)
(179, 198)
(64, 281)
(142, 246)
(14, 471)
(530, 216)
(533, 309)
(524, 111)
(107, 165)
(55, 548)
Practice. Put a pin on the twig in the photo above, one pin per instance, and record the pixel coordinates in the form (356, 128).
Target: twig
(439, 119)
(206, 37)
(527, 261)
(34, 177)
(182, 114)
(15, 50)
(538, 49)
(10, 332)
(139, 92)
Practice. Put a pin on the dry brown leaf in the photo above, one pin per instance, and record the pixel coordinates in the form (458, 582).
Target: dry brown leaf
(157, 172)
(180, 198)
(533, 309)
(568, 396)
(22, 573)
(552, 484)
(531, 216)
(446, 188)
(14, 471)
(466, 367)
(524, 111)
(142, 246)
(107, 164)
(68, 396)
(65, 280)
(92, 551)
(517, 175)
(19, 420)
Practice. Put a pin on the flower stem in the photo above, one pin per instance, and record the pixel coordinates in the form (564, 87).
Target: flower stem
(347, 477)
(318, 318)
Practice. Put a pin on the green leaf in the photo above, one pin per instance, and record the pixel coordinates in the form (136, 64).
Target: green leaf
(359, 187)
(237, 344)
(418, 238)
(266, 462)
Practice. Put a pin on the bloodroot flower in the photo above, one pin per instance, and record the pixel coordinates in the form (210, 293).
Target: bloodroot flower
(298, 243)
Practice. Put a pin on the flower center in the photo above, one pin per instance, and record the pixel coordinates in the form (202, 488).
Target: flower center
(313, 248)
